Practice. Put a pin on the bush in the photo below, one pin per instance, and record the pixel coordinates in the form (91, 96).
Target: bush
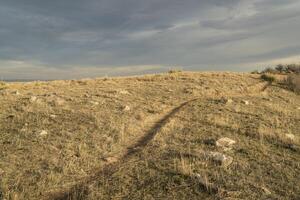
(268, 78)
(270, 70)
(293, 83)
(293, 68)
(283, 69)
(2, 85)
(255, 72)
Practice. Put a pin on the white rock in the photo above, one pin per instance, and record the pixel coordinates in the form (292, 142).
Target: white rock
(226, 100)
(110, 159)
(298, 108)
(220, 158)
(43, 132)
(126, 108)
(245, 102)
(94, 103)
(53, 116)
(266, 190)
(290, 136)
(16, 92)
(225, 143)
(33, 99)
(124, 92)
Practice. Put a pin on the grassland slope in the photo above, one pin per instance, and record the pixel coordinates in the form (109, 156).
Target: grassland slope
(149, 137)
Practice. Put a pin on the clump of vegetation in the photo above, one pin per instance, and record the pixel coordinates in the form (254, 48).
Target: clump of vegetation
(255, 72)
(3, 85)
(293, 82)
(283, 69)
(268, 78)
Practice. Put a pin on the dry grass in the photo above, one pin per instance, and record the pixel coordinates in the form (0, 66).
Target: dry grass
(88, 132)
(293, 82)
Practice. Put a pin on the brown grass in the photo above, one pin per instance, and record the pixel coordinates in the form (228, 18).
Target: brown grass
(82, 156)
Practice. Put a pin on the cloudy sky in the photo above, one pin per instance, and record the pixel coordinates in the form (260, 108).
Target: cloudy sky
(61, 39)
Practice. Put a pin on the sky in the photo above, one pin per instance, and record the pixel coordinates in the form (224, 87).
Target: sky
(68, 39)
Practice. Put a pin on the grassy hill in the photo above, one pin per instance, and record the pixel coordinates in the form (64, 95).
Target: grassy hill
(150, 137)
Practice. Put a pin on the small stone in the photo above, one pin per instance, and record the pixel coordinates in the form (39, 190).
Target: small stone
(225, 143)
(226, 100)
(16, 92)
(33, 99)
(53, 116)
(220, 158)
(298, 108)
(266, 190)
(43, 133)
(94, 103)
(124, 92)
(126, 108)
(245, 102)
(290, 136)
(110, 159)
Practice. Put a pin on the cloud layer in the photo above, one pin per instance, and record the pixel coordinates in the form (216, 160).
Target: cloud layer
(108, 35)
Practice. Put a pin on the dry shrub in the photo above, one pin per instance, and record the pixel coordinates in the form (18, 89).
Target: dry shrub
(268, 78)
(3, 85)
(293, 82)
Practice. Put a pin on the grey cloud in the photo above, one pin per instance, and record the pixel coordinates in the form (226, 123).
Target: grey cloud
(194, 33)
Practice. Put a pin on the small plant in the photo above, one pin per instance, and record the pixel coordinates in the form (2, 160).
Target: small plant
(255, 72)
(3, 85)
(293, 83)
(268, 78)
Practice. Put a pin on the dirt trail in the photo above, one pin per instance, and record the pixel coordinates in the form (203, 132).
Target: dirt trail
(79, 190)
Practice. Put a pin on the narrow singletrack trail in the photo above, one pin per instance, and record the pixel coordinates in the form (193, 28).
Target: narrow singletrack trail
(79, 191)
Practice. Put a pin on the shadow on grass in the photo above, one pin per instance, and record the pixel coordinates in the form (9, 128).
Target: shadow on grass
(79, 191)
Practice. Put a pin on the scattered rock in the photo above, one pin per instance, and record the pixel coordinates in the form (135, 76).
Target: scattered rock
(110, 159)
(126, 108)
(220, 158)
(16, 92)
(33, 99)
(225, 143)
(53, 116)
(298, 108)
(226, 100)
(266, 190)
(290, 136)
(43, 133)
(123, 92)
(94, 103)
(245, 102)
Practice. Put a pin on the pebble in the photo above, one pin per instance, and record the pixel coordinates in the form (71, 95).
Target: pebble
(43, 132)
(126, 108)
(94, 103)
(290, 136)
(124, 92)
(33, 99)
(225, 143)
(245, 102)
(220, 158)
